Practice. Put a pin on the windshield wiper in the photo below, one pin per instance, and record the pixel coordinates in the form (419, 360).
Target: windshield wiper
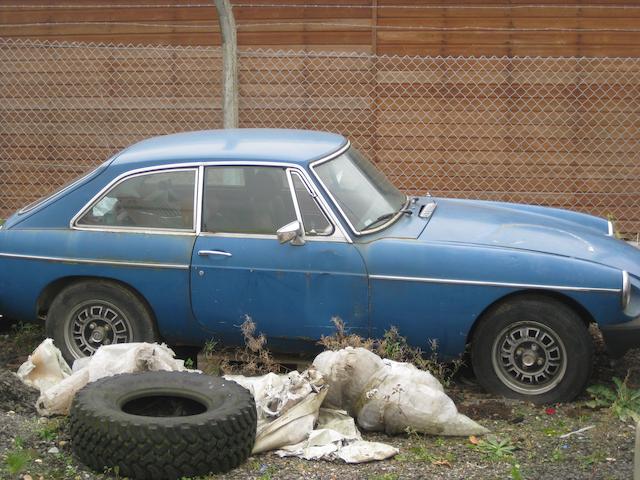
(387, 216)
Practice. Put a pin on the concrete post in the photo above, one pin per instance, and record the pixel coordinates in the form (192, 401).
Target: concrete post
(229, 64)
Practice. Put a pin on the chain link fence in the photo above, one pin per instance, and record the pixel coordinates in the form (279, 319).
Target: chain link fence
(549, 131)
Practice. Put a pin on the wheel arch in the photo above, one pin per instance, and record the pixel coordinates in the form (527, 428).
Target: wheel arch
(53, 289)
(578, 308)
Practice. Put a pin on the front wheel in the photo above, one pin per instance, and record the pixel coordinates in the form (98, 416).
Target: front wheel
(533, 348)
(87, 315)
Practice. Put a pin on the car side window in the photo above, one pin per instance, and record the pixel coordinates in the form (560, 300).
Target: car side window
(246, 199)
(314, 220)
(161, 200)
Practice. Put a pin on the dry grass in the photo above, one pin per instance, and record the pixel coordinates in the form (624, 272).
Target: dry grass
(395, 347)
(252, 359)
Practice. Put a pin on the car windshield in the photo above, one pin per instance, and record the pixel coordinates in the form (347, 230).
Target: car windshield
(365, 196)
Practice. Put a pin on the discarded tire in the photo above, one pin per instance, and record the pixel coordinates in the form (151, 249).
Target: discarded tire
(163, 425)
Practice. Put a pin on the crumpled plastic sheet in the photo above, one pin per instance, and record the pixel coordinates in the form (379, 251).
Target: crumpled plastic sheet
(337, 437)
(46, 370)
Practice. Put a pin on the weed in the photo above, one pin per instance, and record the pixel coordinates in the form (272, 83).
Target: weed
(340, 339)
(516, 473)
(594, 458)
(557, 455)
(254, 358)
(17, 460)
(623, 402)
(495, 448)
(418, 452)
(395, 347)
(267, 472)
(188, 363)
(385, 476)
(18, 442)
(27, 335)
(50, 430)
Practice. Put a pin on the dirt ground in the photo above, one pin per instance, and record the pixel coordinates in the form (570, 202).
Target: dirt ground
(533, 446)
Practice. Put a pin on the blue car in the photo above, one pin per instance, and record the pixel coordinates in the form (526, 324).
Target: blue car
(179, 238)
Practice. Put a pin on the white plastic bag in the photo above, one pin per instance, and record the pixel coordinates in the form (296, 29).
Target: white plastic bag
(391, 396)
(47, 370)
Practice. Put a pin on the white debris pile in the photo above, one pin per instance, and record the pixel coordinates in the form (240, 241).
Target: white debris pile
(310, 415)
(46, 370)
(291, 421)
(383, 395)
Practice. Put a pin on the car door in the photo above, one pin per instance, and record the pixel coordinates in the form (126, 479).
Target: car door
(240, 270)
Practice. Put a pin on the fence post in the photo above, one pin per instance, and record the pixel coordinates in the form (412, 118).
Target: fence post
(229, 64)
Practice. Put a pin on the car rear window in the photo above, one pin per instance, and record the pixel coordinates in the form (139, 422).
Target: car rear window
(157, 200)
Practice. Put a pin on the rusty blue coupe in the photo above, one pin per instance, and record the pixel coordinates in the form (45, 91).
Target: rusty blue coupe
(178, 238)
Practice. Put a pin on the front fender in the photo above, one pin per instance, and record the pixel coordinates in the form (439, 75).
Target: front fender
(438, 290)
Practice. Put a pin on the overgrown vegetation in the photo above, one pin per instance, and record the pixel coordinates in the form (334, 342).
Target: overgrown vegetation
(622, 401)
(395, 347)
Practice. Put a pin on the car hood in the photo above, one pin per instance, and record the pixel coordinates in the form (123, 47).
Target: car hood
(526, 227)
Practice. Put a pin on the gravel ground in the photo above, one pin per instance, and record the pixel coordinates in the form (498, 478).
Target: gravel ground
(40, 448)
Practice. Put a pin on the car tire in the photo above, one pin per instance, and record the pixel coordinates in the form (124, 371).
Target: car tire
(533, 348)
(163, 425)
(88, 314)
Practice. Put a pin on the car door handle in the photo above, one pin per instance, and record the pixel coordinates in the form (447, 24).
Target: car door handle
(204, 253)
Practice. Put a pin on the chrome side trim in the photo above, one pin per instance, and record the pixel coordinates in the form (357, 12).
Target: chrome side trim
(335, 234)
(120, 263)
(197, 210)
(294, 198)
(610, 232)
(493, 284)
(626, 289)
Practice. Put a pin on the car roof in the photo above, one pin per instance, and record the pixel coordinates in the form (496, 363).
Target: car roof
(255, 144)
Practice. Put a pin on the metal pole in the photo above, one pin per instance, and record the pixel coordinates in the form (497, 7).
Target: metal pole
(229, 64)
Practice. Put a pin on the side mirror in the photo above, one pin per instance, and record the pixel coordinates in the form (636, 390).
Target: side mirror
(291, 232)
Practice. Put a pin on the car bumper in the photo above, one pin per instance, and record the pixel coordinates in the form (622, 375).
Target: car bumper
(621, 337)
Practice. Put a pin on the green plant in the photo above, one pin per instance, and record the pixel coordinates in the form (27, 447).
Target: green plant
(593, 458)
(495, 448)
(385, 476)
(188, 363)
(557, 455)
(49, 431)
(418, 451)
(623, 402)
(27, 335)
(267, 472)
(17, 460)
(516, 473)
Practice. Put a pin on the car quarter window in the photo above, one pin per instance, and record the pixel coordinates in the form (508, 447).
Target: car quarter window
(152, 200)
(314, 220)
(246, 199)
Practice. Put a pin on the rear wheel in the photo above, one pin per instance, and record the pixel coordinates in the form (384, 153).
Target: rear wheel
(533, 348)
(87, 315)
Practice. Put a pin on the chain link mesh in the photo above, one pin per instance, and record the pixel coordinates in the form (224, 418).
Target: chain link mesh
(549, 131)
